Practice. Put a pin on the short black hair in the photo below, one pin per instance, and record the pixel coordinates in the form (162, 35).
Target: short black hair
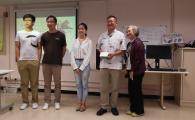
(51, 16)
(29, 16)
(112, 16)
(84, 25)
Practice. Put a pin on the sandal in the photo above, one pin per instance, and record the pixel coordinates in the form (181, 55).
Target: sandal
(83, 108)
(78, 108)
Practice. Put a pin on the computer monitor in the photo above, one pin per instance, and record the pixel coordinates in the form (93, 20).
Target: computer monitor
(158, 52)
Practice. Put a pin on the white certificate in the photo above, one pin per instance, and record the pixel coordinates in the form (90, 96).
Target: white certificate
(104, 54)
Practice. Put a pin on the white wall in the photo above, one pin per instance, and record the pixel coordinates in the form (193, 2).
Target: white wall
(94, 13)
(184, 18)
(141, 13)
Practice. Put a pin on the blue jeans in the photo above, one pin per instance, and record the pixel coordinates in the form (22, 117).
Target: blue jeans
(82, 81)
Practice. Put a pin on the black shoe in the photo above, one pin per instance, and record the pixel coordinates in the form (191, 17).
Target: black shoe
(101, 111)
(114, 111)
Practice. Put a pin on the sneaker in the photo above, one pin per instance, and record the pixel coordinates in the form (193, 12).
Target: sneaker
(114, 111)
(23, 106)
(128, 112)
(35, 106)
(45, 106)
(57, 106)
(136, 115)
(101, 111)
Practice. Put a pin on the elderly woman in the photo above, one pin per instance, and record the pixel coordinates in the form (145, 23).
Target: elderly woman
(80, 58)
(137, 60)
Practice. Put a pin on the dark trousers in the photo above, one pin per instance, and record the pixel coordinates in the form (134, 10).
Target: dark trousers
(135, 94)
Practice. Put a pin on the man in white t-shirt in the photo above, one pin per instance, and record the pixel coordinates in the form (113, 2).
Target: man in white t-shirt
(27, 48)
(113, 42)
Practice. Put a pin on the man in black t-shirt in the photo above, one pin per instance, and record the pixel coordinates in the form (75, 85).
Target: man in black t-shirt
(54, 46)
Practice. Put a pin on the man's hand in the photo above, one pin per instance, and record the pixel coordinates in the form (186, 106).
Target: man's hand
(17, 50)
(110, 55)
(17, 59)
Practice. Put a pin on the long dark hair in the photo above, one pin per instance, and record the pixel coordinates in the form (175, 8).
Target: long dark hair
(84, 25)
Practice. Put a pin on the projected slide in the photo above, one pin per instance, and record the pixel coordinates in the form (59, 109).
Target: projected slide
(66, 24)
(66, 18)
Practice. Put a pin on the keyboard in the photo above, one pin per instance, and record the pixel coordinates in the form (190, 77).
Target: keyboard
(162, 69)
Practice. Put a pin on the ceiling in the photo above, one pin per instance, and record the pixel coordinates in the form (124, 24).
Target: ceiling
(15, 2)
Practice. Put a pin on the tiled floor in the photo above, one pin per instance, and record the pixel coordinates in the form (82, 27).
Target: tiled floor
(67, 111)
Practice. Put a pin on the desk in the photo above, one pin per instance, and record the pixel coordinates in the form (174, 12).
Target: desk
(162, 80)
(8, 106)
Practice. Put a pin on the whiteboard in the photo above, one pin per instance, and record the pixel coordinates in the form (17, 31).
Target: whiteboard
(152, 35)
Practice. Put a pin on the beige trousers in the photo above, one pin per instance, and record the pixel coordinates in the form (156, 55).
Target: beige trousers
(29, 72)
(109, 83)
(50, 71)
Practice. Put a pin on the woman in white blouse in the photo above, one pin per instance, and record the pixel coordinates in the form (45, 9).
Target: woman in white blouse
(80, 61)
